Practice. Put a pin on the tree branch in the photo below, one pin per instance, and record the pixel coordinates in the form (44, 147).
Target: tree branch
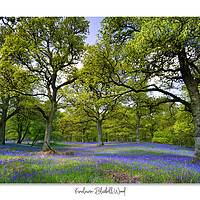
(13, 113)
(66, 83)
(154, 89)
(41, 111)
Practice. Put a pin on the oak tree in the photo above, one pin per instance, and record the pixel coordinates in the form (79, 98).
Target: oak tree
(49, 48)
(165, 51)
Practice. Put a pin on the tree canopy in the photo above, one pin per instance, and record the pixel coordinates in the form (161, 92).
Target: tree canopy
(138, 82)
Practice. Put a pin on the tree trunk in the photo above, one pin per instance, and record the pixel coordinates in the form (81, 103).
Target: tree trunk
(70, 137)
(49, 121)
(19, 131)
(2, 132)
(36, 138)
(192, 85)
(151, 137)
(138, 128)
(25, 133)
(19, 138)
(47, 136)
(196, 121)
(195, 106)
(106, 137)
(83, 135)
(100, 137)
(117, 138)
(3, 120)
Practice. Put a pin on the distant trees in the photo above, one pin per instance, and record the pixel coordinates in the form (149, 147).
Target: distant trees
(76, 126)
(183, 129)
(95, 102)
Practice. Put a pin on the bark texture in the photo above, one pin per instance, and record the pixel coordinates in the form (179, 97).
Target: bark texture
(3, 120)
(48, 130)
(100, 137)
(192, 86)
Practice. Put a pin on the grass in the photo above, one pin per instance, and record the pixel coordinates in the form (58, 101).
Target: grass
(112, 163)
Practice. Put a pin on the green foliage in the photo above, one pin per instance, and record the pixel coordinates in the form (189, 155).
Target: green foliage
(183, 129)
(48, 48)
(57, 136)
(163, 137)
(133, 55)
(173, 126)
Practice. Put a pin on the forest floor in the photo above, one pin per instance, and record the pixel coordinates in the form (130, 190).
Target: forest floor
(112, 163)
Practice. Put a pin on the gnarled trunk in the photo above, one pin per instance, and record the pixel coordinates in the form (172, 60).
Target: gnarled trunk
(196, 121)
(192, 85)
